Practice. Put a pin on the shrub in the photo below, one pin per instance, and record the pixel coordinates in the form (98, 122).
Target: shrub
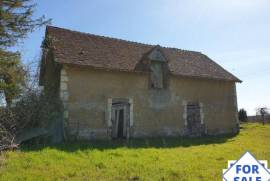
(33, 110)
(242, 114)
(36, 110)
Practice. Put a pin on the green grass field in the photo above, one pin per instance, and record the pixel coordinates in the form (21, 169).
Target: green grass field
(154, 159)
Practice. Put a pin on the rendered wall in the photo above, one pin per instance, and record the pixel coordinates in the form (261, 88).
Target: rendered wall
(155, 112)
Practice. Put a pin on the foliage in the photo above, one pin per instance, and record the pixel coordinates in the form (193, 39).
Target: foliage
(12, 75)
(36, 110)
(48, 42)
(154, 159)
(242, 114)
(33, 110)
(262, 111)
(7, 128)
(17, 21)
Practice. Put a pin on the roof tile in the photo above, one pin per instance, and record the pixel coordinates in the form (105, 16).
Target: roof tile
(71, 47)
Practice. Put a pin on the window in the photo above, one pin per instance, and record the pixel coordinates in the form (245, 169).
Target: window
(157, 75)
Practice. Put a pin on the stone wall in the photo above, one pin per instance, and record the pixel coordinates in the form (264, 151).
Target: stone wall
(88, 94)
(64, 94)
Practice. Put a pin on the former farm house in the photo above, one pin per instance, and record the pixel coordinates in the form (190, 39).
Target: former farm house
(113, 88)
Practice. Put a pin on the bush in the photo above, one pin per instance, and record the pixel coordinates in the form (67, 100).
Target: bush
(36, 110)
(242, 114)
(7, 128)
(33, 110)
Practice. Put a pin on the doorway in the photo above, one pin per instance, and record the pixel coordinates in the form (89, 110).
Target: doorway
(193, 119)
(120, 120)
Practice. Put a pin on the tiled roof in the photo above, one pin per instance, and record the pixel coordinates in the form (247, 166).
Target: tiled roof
(71, 47)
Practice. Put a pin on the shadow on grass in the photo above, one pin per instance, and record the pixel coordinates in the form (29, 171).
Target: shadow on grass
(132, 143)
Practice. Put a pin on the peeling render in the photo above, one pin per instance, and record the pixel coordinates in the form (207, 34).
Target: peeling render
(152, 113)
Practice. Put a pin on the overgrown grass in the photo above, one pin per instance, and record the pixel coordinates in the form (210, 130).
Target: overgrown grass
(154, 159)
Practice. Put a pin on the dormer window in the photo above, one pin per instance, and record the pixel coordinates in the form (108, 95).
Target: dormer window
(157, 68)
(157, 75)
(156, 64)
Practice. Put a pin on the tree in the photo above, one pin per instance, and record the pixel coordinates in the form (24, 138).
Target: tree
(242, 114)
(16, 21)
(262, 111)
(12, 75)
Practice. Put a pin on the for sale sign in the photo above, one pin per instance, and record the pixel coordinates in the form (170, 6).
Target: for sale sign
(247, 168)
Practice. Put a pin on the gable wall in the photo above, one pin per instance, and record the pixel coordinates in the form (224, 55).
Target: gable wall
(51, 76)
(156, 112)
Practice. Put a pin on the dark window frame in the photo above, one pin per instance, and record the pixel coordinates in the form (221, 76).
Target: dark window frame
(157, 81)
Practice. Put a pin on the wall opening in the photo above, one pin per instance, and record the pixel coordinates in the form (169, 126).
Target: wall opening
(120, 132)
(157, 77)
(120, 119)
(194, 127)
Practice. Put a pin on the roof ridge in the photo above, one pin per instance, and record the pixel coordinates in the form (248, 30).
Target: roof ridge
(119, 39)
(99, 36)
(183, 50)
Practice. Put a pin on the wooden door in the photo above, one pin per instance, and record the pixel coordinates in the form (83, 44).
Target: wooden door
(119, 120)
(194, 119)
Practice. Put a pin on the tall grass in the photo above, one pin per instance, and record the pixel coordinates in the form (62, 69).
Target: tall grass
(152, 159)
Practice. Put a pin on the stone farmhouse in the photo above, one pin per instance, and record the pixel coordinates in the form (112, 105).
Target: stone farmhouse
(112, 88)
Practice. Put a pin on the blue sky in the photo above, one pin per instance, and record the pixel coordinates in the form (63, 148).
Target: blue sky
(234, 33)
